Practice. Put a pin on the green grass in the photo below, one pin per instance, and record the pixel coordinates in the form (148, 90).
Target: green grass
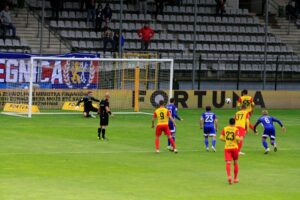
(60, 157)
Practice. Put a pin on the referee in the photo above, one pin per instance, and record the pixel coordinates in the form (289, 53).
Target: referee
(88, 104)
(104, 111)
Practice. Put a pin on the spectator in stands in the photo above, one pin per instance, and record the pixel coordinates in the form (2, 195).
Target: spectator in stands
(291, 10)
(6, 20)
(107, 38)
(91, 11)
(159, 4)
(220, 7)
(99, 17)
(145, 33)
(55, 5)
(116, 39)
(107, 14)
(143, 6)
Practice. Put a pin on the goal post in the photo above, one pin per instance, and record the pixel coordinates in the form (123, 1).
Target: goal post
(131, 82)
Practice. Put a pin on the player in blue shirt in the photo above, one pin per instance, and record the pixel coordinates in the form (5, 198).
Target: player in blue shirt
(209, 124)
(269, 129)
(173, 110)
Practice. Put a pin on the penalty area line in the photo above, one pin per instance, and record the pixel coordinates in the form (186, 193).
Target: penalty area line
(13, 114)
(86, 153)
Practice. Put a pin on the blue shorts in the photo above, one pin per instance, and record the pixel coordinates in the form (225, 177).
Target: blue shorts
(209, 131)
(270, 132)
(172, 127)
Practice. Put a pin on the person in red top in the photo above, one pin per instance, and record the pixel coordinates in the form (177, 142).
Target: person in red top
(145, 33)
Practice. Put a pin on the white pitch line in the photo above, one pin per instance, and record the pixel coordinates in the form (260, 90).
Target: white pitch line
(77, 153)
(118, 152)
(71, 113)
(57, 113)
(13, 114)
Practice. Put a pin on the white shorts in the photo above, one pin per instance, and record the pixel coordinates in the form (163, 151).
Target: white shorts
(210, 134)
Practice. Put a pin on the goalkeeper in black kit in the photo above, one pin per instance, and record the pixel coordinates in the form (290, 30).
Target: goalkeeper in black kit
(104, 112)
(88, 104)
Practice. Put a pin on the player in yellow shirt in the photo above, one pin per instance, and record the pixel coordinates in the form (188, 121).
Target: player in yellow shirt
(230, 135)
(242, 122)
(163, 115)
(247, 101)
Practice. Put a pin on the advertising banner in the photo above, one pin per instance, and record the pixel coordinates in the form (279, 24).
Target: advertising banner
(56, 74)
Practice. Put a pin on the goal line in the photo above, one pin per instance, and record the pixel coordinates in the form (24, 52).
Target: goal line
(70, 113)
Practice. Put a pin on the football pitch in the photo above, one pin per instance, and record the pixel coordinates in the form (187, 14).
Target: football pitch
(60, 157)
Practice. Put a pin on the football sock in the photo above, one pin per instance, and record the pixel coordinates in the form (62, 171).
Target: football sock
(228, 169)
(206, 142)
(173, 137)
(272, 142)
(103, 133)
(99, 132)
(213, 142)
(157, 143)
(172, 142)
(251, 126)
(240, 145)
(169, 143)
(265, 144)
(236, 170)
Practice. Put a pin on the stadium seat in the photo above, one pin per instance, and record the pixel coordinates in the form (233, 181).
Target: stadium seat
(94, 35)
(53, 23)
(8, 42)
(15, 43)
(78, 34)
(82, 24)
(61, 24)
(72, 15)
(86, 34)
(75, 43)
(82, 44)
(90, 44)
(64, 14)
(75, 24)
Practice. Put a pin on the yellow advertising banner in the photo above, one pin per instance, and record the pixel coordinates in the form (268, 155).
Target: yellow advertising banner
(19, 108)
(69, 105)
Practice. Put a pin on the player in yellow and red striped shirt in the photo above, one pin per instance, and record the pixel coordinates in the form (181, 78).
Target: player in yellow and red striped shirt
(163, 115)
(242, 122)
(230, 135)
(247, 101)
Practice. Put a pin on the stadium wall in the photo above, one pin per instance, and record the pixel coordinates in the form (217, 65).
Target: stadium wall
(123, 99)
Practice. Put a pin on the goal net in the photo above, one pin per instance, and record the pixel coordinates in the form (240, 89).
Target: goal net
(53, 85)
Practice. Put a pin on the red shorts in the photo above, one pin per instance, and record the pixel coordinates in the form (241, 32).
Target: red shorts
(242, 131)
(162, 128)
(231, 154)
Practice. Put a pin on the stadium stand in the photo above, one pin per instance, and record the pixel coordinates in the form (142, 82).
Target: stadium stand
(220, 42)
(9, 42)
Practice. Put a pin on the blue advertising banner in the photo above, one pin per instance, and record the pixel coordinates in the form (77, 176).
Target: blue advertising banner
(15, 71)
